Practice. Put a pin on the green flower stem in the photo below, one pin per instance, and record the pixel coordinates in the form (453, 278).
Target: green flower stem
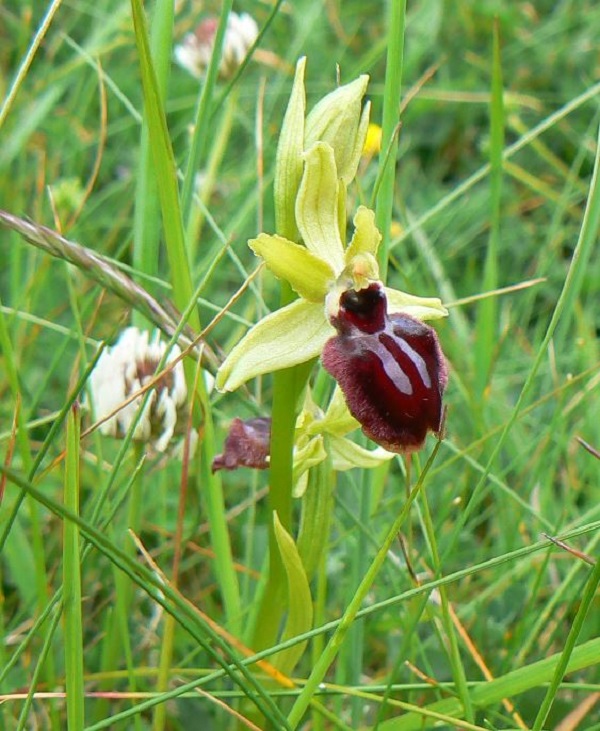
(318, 642)
(170, 625)
(350, 666)
(287, 386)
(317, 506)
(333, 646)
(72, 581)
(389, 140)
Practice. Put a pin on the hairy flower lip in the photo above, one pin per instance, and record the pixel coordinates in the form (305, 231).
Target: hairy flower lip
(390, 368)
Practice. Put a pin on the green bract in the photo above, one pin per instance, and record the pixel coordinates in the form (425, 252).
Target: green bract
(318, 271)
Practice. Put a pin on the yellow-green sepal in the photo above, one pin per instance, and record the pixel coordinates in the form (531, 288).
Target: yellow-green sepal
(307, 274)
(346, 454)
(294, 334)
(423, 308)
(337, 420)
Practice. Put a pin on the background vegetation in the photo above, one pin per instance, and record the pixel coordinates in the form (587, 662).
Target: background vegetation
(488, 195)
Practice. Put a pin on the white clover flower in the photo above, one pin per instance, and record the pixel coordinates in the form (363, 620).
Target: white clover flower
(126, 368)
(195, 51)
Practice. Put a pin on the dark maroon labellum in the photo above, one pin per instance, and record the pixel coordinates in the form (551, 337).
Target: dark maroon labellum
(390, 368)
(247, 445)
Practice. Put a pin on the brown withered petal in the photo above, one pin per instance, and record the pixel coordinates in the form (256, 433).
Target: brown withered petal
(247, 445)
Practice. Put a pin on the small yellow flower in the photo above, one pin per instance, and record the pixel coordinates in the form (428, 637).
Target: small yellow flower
(372, 144)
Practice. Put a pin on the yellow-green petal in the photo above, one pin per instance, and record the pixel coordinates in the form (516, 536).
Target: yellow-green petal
(294, 334)
(366, 237)
(289, 162)
(308, 275)
(423, 308)
(310, 455)
(316, 206)
(346, 454)
(337, 420)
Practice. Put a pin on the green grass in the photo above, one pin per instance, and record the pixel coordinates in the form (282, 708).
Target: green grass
(435, 597)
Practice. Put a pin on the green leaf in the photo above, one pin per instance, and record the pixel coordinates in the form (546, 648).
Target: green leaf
(289, 336)
(316, 206)
(366, 237)
(300, 613)
(289, 164)
(308, 275)
(423, 308)
(166, 170)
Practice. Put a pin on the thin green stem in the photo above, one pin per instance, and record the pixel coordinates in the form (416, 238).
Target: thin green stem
(72, 582)
(146, 220)
(453, 650)
(332, 648)
(560, 670)
(487, 315)
(203, 113)
(389, 139)
(287, 387)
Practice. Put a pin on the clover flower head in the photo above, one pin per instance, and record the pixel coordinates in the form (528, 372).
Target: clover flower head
(124, 369)
(195, 51)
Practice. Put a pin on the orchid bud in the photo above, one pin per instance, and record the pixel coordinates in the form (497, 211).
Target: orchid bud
(341, 120)
(390, 368)
(290, 162)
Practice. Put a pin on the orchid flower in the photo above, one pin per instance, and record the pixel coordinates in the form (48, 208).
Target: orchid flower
(343, 309)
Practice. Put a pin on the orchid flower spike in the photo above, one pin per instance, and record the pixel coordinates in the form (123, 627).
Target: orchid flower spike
(343, 311)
